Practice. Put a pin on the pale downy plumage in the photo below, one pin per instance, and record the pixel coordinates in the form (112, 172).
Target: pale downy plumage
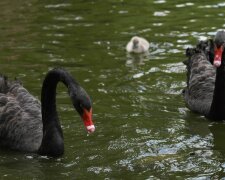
(137, 45)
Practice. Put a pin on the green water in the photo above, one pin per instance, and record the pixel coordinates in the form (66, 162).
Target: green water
(143, 129)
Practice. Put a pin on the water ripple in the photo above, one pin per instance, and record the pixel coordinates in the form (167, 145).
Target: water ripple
(98, 170)
(184, 5)
(160, 1)
(53, 6)
(174, 68)
(161, 13)
(69, 18)
(212, 6)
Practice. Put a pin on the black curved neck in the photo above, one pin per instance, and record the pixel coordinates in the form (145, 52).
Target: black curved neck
(52, 142)
(218, 103)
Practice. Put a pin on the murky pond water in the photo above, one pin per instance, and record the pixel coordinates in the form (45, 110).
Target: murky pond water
(143, 129)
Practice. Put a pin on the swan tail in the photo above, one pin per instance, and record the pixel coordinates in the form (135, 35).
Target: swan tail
(4, 84)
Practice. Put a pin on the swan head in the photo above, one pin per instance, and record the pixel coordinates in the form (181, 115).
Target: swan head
(219, 48)
(82, 104)
(135, 41)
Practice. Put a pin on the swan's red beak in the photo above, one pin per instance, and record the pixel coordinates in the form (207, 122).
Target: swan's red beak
(87, 118)
(218, 56)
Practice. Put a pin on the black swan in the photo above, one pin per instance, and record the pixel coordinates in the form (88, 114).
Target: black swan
(205, 91)
(26, 125)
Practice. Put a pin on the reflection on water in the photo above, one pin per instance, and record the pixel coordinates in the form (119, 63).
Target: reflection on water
(143, 129)
(137, 59)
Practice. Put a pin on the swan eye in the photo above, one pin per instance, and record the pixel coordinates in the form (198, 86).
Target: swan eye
(223, 45)
(81, 106)
(85, 107)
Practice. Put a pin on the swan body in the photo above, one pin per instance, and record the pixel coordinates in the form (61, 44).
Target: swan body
(30, 126)
(205, 91)
(200, 83)
(137, 45)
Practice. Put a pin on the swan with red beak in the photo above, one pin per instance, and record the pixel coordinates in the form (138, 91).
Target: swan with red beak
(219, 48)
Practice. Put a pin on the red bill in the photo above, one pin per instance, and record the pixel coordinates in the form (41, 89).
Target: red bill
(87, 118)
(218, 56)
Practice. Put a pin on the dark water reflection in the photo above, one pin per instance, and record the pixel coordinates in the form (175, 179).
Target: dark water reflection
(143, 129)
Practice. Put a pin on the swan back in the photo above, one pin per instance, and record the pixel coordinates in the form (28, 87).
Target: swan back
(20, 117)
(137, 45)
(201, 74)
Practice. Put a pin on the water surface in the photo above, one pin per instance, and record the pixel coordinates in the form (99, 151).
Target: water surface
(143, 128)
